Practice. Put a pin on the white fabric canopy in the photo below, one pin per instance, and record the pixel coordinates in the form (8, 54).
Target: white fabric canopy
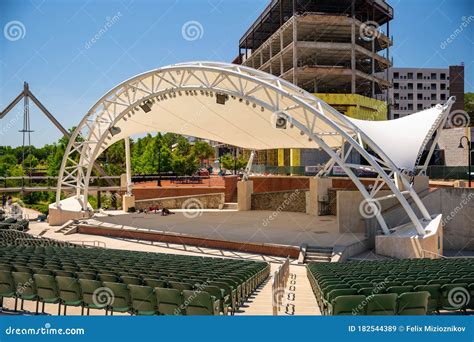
(404, 138)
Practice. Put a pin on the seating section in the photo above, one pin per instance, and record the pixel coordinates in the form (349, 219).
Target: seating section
(138, 283)
(17, 237)
(393, 287)
(10, 223)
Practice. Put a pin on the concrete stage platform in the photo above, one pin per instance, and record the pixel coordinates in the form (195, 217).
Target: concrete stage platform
(254, 227)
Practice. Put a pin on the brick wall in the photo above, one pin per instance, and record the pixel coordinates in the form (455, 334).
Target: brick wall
(276, 183)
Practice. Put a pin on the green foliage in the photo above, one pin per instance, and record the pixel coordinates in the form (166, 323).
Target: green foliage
(227, 162)
(469, 102)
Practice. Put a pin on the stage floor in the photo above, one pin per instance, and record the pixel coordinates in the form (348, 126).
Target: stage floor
(289, 229)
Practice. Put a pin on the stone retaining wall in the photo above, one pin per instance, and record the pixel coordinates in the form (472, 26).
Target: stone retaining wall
(207, 201)
(294, 201)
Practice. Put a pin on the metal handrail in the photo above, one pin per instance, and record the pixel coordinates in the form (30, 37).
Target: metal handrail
(280, 278)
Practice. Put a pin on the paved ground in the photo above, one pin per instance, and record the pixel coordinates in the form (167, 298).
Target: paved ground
(284, 228)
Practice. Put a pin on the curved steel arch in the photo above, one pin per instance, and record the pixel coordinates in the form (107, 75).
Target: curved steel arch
(301, 108)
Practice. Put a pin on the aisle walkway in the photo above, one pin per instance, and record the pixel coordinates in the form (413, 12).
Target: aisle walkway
(298, 298)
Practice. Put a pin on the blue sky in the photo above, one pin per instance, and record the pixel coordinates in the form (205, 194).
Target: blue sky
(69, 72)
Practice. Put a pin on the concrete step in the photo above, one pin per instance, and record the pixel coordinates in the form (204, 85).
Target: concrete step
(318, 249)
(318, 254)
(230, 205)
(311, 258)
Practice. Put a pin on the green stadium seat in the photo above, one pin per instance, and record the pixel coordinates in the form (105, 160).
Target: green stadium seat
(25, 288)
(471, 297)
(219, 294)
(69, 292)
(47, 290)
(63, 273)
(169, 301)
(86, 275)
(347, 305)
(326, 303)
(143, 300)
(435, 294)
(121, 301)
(154, 282)
(131, 280)
(200, 303)
(413, 303)
(382, 304)
(91, 295)
(454, 296)
(111, 278)
(7, 288)
(180, 285)
(400, 289)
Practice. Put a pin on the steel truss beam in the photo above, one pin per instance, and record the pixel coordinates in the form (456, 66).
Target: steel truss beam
(240, 83)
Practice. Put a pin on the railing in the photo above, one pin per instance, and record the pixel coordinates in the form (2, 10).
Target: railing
(95, 243)
(280, 278)
(47, 183)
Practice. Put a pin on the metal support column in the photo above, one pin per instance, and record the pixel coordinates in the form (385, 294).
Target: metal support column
(128, 166)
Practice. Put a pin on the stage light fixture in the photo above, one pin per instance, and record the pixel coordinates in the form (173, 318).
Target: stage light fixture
(280, 122)
(221, 98)
(146, 106)
(114, 130)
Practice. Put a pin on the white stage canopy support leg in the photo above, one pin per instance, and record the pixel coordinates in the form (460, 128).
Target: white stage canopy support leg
(128, 166)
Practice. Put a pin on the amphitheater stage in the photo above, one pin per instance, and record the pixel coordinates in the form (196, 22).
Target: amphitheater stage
(262, 232)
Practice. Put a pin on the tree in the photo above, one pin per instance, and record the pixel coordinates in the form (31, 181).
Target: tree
(202, 150)
(227, 162)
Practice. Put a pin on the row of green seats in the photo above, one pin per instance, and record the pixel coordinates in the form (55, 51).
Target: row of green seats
(112, 297)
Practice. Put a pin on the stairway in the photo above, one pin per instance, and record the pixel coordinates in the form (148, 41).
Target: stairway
(70, 227)
(230, 205)
(318, 254)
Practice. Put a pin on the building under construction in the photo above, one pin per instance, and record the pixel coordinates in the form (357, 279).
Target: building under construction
(326, 47)
(323, 46)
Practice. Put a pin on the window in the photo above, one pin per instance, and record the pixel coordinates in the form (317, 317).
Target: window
(396, 96)
(443, 97)
(410, 86)
(433, 86)
(396, 116)
(419, 106)
(419, 96)
(433, 97)
(410, 106)
(442, 76)
(396, 106)
(396, 75)
(419, 75)
(410, 96)
(433, 76)
(396, 86)
(419, 86)
(410, 75)
(443, 86)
